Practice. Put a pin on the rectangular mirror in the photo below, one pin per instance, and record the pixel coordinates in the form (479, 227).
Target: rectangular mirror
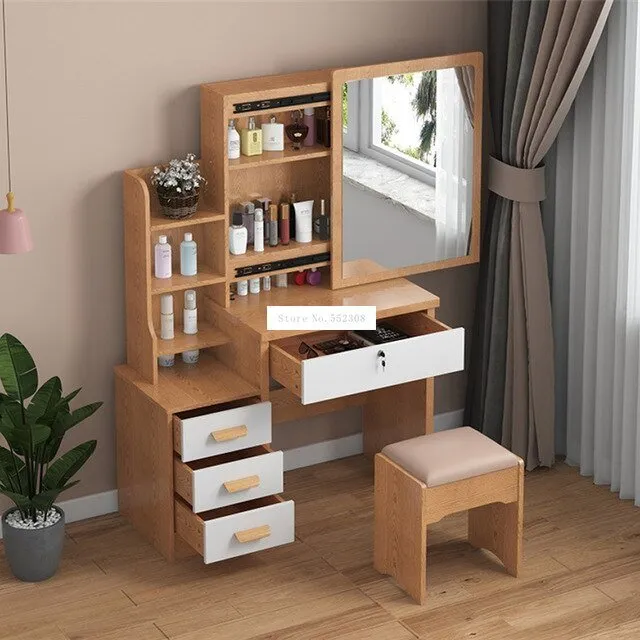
(406, 197)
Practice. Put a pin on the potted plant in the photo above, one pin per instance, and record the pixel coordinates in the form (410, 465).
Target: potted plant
(178, 186)
(33, 422)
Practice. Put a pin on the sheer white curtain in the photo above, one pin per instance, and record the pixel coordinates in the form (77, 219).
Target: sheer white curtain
(454, 167)
(596, 264)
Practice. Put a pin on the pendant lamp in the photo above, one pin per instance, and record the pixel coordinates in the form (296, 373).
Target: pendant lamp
(15, 234)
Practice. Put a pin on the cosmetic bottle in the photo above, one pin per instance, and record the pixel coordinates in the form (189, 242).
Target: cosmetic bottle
(162, 258)
(284, 223)
(266, 283)
(190, 324)
(248, 210)
(304, 220)
(292, 218)
(251, 139)
(188, 256)
(237, 235)
(233, 141)
(313, 277)
(323, 126)
(273, 136)
(190, 313)
(310, 120)
(254, 285)
(322, 224)
(258, 231)
(263, 203)
(297, 131)
(282, 280)
(166, 317)
(300, 278)
(273, 225)
(242, 287)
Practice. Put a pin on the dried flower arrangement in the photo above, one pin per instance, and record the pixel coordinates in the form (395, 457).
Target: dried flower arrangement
(178, 186)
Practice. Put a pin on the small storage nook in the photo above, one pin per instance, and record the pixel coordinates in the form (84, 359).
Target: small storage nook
(195, 464)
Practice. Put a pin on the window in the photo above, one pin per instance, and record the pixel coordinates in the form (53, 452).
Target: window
(392, 120)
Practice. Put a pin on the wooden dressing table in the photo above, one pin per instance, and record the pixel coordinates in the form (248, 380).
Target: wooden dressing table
(194, 462)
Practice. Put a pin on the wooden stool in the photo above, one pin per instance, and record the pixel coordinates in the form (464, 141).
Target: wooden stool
(421, 480)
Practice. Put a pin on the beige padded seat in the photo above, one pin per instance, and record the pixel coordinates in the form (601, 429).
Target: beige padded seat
(449, 456)
(421, 480)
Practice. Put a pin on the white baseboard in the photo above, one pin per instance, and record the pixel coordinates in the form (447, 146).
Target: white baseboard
(100, 504)
(97, 504)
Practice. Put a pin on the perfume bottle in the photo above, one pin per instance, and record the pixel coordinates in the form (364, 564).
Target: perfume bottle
(310, 120)
(322, 224)
(273, 135)
(323, 126)
(251, 139)
(297, 131)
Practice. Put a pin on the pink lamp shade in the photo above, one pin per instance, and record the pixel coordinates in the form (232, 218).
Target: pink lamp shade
(15, 234)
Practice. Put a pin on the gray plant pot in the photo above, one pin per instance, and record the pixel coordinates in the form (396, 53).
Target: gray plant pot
(33, 554)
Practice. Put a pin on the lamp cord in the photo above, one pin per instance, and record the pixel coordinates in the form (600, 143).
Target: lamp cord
(6, 88)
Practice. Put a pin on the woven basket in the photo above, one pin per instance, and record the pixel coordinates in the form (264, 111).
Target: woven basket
(178, 207)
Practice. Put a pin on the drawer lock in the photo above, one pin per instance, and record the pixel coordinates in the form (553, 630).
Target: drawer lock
(382, 359)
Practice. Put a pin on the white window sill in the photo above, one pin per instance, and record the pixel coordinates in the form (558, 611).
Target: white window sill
(414, 196)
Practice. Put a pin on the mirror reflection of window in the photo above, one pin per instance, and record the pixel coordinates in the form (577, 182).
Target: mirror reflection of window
(408, 139)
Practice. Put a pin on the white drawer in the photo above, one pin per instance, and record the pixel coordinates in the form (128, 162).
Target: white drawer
(211, 434)
(434, 349)
(228, 479)
(237, 530)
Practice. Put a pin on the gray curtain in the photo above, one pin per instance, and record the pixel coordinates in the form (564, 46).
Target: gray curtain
(466, 81)
(539, 52)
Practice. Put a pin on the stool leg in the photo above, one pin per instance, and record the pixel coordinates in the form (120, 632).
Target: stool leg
(497, 527)
(400, 534)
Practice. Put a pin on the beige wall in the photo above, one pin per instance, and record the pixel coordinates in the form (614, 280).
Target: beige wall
(96, 87)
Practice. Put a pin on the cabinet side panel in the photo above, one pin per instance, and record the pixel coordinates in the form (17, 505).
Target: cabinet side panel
(144, 443)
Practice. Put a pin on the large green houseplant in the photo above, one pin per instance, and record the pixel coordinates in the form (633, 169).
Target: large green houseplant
(34, 422)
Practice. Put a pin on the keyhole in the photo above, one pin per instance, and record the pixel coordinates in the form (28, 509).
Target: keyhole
(382, 356)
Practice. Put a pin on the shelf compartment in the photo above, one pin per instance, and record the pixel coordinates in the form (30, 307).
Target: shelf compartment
(205, 276)
(281, 252)
(161, 223)
(207, 336)
(279, 157)
(259, 112)
(317, 265)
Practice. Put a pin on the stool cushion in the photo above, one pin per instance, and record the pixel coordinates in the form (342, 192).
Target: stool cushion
(448, 456)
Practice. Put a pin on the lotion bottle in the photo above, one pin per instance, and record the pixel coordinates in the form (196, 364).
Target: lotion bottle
(310, 120)
(188, 256)
(166, 327)
(273, 225)
(190, 324)
(238, 235)
(258, 232)
(162, 258)
(233, 141)
(251, 139)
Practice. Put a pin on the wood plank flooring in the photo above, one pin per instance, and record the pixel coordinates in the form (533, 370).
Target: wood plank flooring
(581, 577)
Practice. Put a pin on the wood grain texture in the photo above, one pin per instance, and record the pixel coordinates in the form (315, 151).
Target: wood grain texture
(391, 298)
(144, 443)
(112, 584)
(346, 276)
(287, 406)
(400, 533)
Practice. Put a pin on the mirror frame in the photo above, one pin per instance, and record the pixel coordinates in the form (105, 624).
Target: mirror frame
(338, 77)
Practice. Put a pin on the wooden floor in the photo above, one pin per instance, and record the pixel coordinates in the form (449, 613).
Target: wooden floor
(581, 576)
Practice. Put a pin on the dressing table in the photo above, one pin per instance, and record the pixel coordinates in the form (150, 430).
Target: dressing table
(194, 462)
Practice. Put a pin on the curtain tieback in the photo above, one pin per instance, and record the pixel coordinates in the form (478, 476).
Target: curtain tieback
(513, 183)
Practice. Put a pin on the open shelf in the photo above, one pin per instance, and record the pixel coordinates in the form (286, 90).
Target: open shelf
(205, 383)
(177, 282)
(278, 157)
(292, 107)
(207, 336)
(317, 265)
(160, 222)
(281, 252)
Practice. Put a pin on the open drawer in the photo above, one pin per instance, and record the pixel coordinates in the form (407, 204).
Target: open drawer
(433, 349)
(237, 530)
(234, 477)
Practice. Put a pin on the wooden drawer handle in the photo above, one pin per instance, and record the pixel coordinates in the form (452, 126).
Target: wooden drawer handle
(222, 435)
(251, 535)
(242, 484)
